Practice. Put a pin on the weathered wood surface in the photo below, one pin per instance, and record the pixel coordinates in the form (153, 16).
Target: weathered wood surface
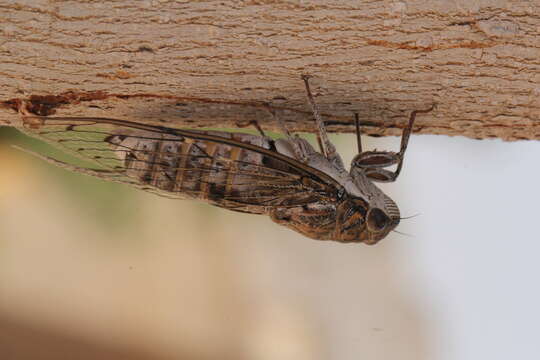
(198, 63)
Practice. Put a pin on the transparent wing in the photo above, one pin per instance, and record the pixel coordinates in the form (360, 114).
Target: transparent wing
(185, 164)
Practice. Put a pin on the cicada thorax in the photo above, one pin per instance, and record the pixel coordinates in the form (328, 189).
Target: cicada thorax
(344, 221)
(350, 219)
(316, 221)
(198, 169)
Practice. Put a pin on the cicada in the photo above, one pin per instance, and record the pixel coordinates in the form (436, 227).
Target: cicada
(305, 190)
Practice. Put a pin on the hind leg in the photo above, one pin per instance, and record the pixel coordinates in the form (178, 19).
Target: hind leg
(327, 148)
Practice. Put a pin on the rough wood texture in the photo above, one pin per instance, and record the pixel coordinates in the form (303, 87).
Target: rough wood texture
(198, 63)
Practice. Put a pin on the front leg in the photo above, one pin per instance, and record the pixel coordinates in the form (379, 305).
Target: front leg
(373, 162)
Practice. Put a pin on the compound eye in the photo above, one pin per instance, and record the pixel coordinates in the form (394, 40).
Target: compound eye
(377, 220)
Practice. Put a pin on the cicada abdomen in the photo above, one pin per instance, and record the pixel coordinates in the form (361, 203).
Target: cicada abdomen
(237, 171)
(207, 170)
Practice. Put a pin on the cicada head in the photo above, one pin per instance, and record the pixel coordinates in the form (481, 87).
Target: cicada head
(360, 221)
(381, 220)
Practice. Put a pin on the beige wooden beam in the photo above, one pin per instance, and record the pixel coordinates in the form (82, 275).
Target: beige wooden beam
(202, 63)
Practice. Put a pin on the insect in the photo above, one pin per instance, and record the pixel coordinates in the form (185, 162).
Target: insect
(287, 179)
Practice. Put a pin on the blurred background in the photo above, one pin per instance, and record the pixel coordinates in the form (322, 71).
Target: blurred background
(90, 269)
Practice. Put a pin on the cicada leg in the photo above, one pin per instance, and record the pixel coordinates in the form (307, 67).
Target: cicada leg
(373, 162)
(327, 148)
(296, 143)
(254, 123)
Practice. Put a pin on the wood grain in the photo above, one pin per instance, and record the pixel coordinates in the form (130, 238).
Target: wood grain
(205, 63)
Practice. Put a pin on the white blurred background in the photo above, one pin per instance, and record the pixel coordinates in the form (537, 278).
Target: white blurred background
(100, 270)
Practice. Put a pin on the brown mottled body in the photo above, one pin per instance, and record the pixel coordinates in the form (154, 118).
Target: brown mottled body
(202, 169)
(298, 187)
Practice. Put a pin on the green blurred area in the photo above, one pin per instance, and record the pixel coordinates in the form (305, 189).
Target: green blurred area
(113, 205)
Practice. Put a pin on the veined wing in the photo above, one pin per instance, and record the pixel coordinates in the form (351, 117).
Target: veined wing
(186, 163)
